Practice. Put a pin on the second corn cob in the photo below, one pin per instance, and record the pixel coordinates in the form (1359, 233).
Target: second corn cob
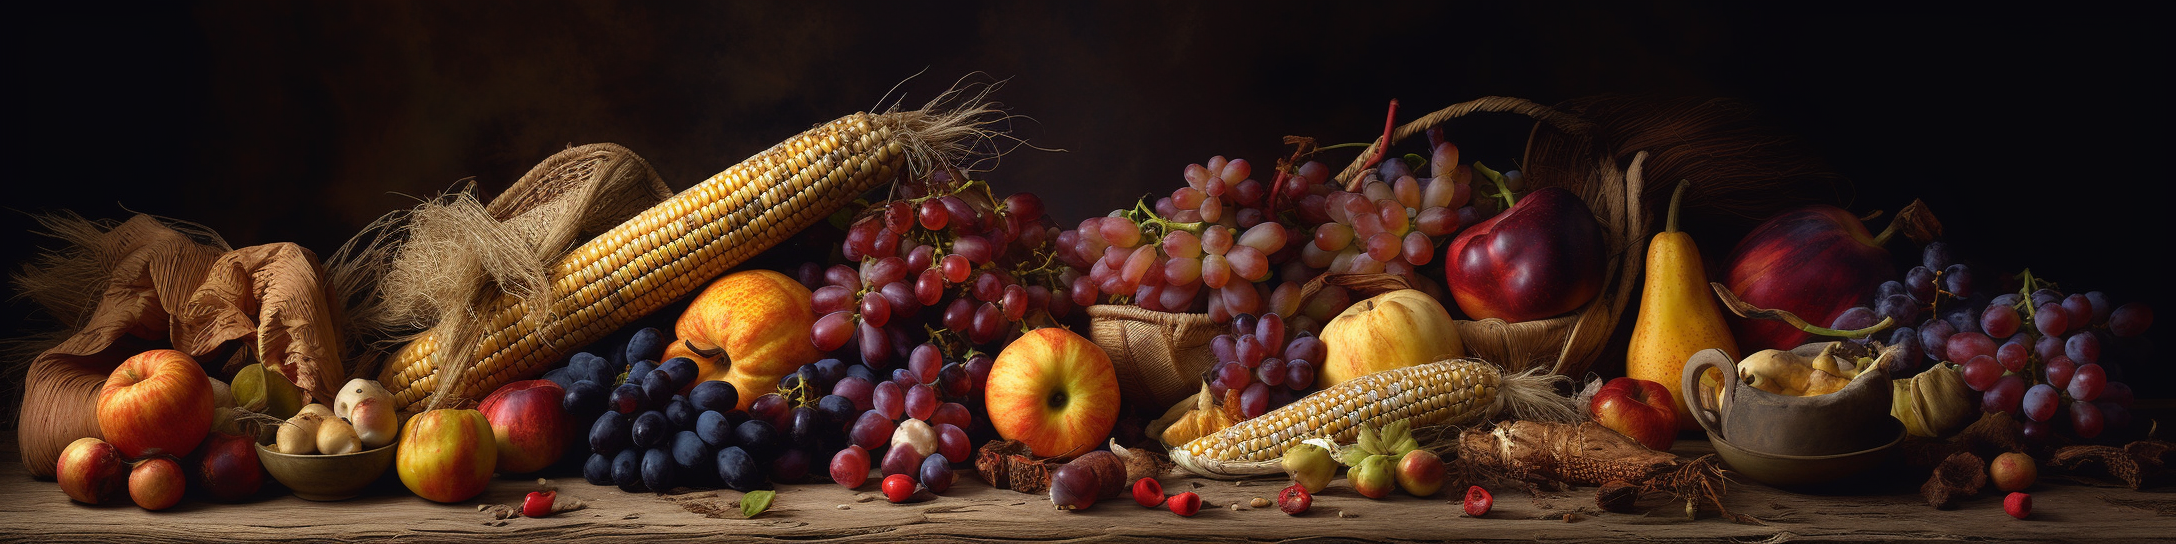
(1449, 392)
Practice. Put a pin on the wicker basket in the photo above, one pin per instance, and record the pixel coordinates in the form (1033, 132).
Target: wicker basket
(1161, 357)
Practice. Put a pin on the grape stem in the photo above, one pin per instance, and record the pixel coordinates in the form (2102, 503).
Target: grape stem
(1503, 189)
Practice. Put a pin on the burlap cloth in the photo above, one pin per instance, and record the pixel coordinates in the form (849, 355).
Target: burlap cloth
(145, 283)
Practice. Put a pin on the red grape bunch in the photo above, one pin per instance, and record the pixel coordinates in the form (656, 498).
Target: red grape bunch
(2036, 352)
(1258, 368)
(944, 250)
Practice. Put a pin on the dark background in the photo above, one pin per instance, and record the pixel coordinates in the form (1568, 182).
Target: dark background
(2041, 138)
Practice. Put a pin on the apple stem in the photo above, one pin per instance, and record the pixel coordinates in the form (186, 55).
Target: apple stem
(1882, 240)
(1503, 189)
(1677, 198)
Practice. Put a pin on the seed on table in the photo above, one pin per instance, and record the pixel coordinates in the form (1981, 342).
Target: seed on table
(1258, 502)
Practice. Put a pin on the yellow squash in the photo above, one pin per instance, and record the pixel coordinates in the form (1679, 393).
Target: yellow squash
(1678, 317)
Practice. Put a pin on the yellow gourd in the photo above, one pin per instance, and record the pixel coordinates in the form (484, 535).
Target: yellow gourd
(1678, 317)
(1397, 329)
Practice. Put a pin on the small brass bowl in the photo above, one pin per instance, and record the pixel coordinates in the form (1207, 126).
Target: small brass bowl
(328, 477)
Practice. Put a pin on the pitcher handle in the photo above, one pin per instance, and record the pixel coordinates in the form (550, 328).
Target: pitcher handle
(1710, 417)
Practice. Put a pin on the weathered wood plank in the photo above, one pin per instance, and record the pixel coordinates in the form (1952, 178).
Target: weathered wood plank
(2066, 510)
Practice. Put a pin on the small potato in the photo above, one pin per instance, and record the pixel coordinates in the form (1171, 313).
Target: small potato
(336, 437)
(298, 436)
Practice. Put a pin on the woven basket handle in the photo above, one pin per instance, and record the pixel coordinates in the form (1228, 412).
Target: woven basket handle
(1569, 123)
(1362, 285)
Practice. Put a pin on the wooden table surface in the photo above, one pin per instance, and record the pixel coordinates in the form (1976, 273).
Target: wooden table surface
(2065, 510)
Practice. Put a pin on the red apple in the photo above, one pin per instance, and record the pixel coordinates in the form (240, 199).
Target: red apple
(1542, 258)
(529, 422)
(91, 470)
(227, 467)
(1054, 391)
(157, 483)
(446, 455)
(158, 401)
(1640, 409)
(1815, 262)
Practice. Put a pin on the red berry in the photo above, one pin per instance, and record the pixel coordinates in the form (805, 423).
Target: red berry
(1148, 492)
(2018, 505)
(898, 487)
(1295, 500)
(538, 504)
(1185, 504)
(1478, 501)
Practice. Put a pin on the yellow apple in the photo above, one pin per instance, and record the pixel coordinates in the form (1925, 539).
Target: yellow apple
(446, 455)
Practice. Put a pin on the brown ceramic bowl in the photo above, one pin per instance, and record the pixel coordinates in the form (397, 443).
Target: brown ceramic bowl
(1777, 470)
(328, 477)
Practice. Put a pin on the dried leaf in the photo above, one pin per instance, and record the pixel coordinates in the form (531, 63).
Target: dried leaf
(756, 502)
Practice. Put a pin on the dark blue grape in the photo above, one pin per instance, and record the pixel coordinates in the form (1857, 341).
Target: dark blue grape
(790, 466)
(1962, 320)
(691, 455)
(1855, 318)
(838, 410)
(1935, 256)
(714, 395)
(1909, 352)
(611, 433)
(1920, 283)
(1934, 338)
(1957, 279)
(628, 398)
(681, 413)
(658, 386)
(830, 371)
(715, 429)
(627, 470)
(682, 370)
(563, 376)
(1888, 288)
(953, 380)
(598, 469)
(738, 470)
(862, 371)
(811, 377)
(1899, 307)
(2006, 299)
(809, 427)
(658, 472)
(585, 398)
(936, 473)
(651, 429)
(596, 369)
(758, 437)
(790, 385)
(648, 344)
(640, 371)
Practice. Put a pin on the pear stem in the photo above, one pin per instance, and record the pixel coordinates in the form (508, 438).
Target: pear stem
(1677, 197)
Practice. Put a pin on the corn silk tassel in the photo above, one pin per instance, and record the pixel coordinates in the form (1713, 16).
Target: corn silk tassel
(498, 300)
(1453, 392)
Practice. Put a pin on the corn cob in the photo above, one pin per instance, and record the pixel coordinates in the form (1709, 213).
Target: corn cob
(667, 252)
(1451, 392)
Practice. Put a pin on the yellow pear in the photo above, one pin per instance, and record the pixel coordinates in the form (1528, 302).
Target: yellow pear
(1678, 314)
